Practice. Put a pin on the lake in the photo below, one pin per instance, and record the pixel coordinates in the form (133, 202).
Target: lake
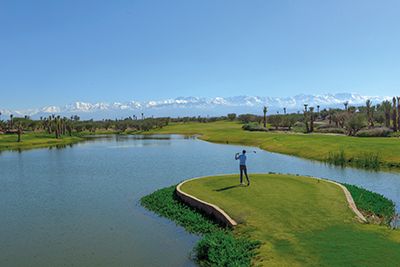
(79, 205)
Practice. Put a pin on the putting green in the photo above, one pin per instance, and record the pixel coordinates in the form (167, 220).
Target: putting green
(299, 220)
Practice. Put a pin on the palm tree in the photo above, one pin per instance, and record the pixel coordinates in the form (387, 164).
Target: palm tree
(265, 110)
(346, 104)
(387, 106)
(11, 121)
(284, 110)
(305, 118)
(370, 116)
(311, 119)
(394, 114)
(330, 114)
(398, 112)
(19, 131)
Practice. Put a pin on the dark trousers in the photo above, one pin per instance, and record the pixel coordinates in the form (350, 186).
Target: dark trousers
(243, 168)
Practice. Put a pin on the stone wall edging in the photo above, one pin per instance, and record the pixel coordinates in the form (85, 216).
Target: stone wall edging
(210, 209)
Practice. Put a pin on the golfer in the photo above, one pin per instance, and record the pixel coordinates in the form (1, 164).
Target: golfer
(242, 159)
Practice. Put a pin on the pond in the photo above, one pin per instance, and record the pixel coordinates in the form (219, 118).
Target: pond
(79, 205)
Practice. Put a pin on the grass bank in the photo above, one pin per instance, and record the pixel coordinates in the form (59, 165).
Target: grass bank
(300, 221)
(35, 140)
(218, 247)
(359, 152)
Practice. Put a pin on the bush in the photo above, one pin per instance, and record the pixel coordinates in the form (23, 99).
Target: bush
(395, 134)
(355, 123)
(299, 127)
(372, 203)
(231, 116)
(247, 118)
(331, 130)
(324, 126)
(254, 127)
(376, 132)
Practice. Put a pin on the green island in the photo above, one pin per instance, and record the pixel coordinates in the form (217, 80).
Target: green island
(283, 220)
(310, 146)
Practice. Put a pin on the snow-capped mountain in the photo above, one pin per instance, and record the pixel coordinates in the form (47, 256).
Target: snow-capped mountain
(194, 106)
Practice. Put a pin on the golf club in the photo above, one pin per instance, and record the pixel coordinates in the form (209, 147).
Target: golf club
(255, 152)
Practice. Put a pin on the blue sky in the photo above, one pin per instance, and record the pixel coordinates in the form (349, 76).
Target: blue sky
(56, 52)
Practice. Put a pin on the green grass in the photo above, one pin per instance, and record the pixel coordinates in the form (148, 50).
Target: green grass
(218, 247)
(300, 221)
(371, 203)
(34, 140)
(310, 146)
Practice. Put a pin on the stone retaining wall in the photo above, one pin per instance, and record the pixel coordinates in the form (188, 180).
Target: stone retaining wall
(210, 209)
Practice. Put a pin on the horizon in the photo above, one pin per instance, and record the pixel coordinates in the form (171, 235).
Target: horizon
(195, 106)
(55, 53)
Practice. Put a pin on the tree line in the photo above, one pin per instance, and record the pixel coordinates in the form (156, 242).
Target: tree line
(384, 116)
(59, 126)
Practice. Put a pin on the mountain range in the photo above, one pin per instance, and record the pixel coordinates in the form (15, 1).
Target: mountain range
(195, 106)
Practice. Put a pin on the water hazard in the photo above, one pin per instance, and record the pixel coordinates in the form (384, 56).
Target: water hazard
(79, 205)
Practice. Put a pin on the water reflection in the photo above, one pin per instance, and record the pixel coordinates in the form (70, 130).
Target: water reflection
(79, 205)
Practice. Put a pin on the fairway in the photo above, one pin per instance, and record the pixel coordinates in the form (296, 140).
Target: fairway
(310, 146)
(34, 140)
(300, 221)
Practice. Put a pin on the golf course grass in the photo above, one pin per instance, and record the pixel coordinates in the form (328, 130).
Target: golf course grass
(34, 140)
(300, 221)
(309, 146)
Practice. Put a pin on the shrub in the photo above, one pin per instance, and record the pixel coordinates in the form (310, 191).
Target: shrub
(324, 126)
(231, 116)
(395, 134)
(372, 203)
(355, 123)
(331, 130)
(253, 126)
(299, 124)
(247, 118)
(376, 132)
(299, 127)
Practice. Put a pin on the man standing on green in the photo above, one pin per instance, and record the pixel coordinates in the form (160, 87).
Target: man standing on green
(242, 159)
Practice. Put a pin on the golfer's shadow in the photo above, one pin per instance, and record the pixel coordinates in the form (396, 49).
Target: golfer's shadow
(227, 188)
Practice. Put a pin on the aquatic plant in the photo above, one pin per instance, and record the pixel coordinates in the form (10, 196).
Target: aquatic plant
(372, 204)
(221, 248)
(218, 247)
(367, 160)
(337, 158)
